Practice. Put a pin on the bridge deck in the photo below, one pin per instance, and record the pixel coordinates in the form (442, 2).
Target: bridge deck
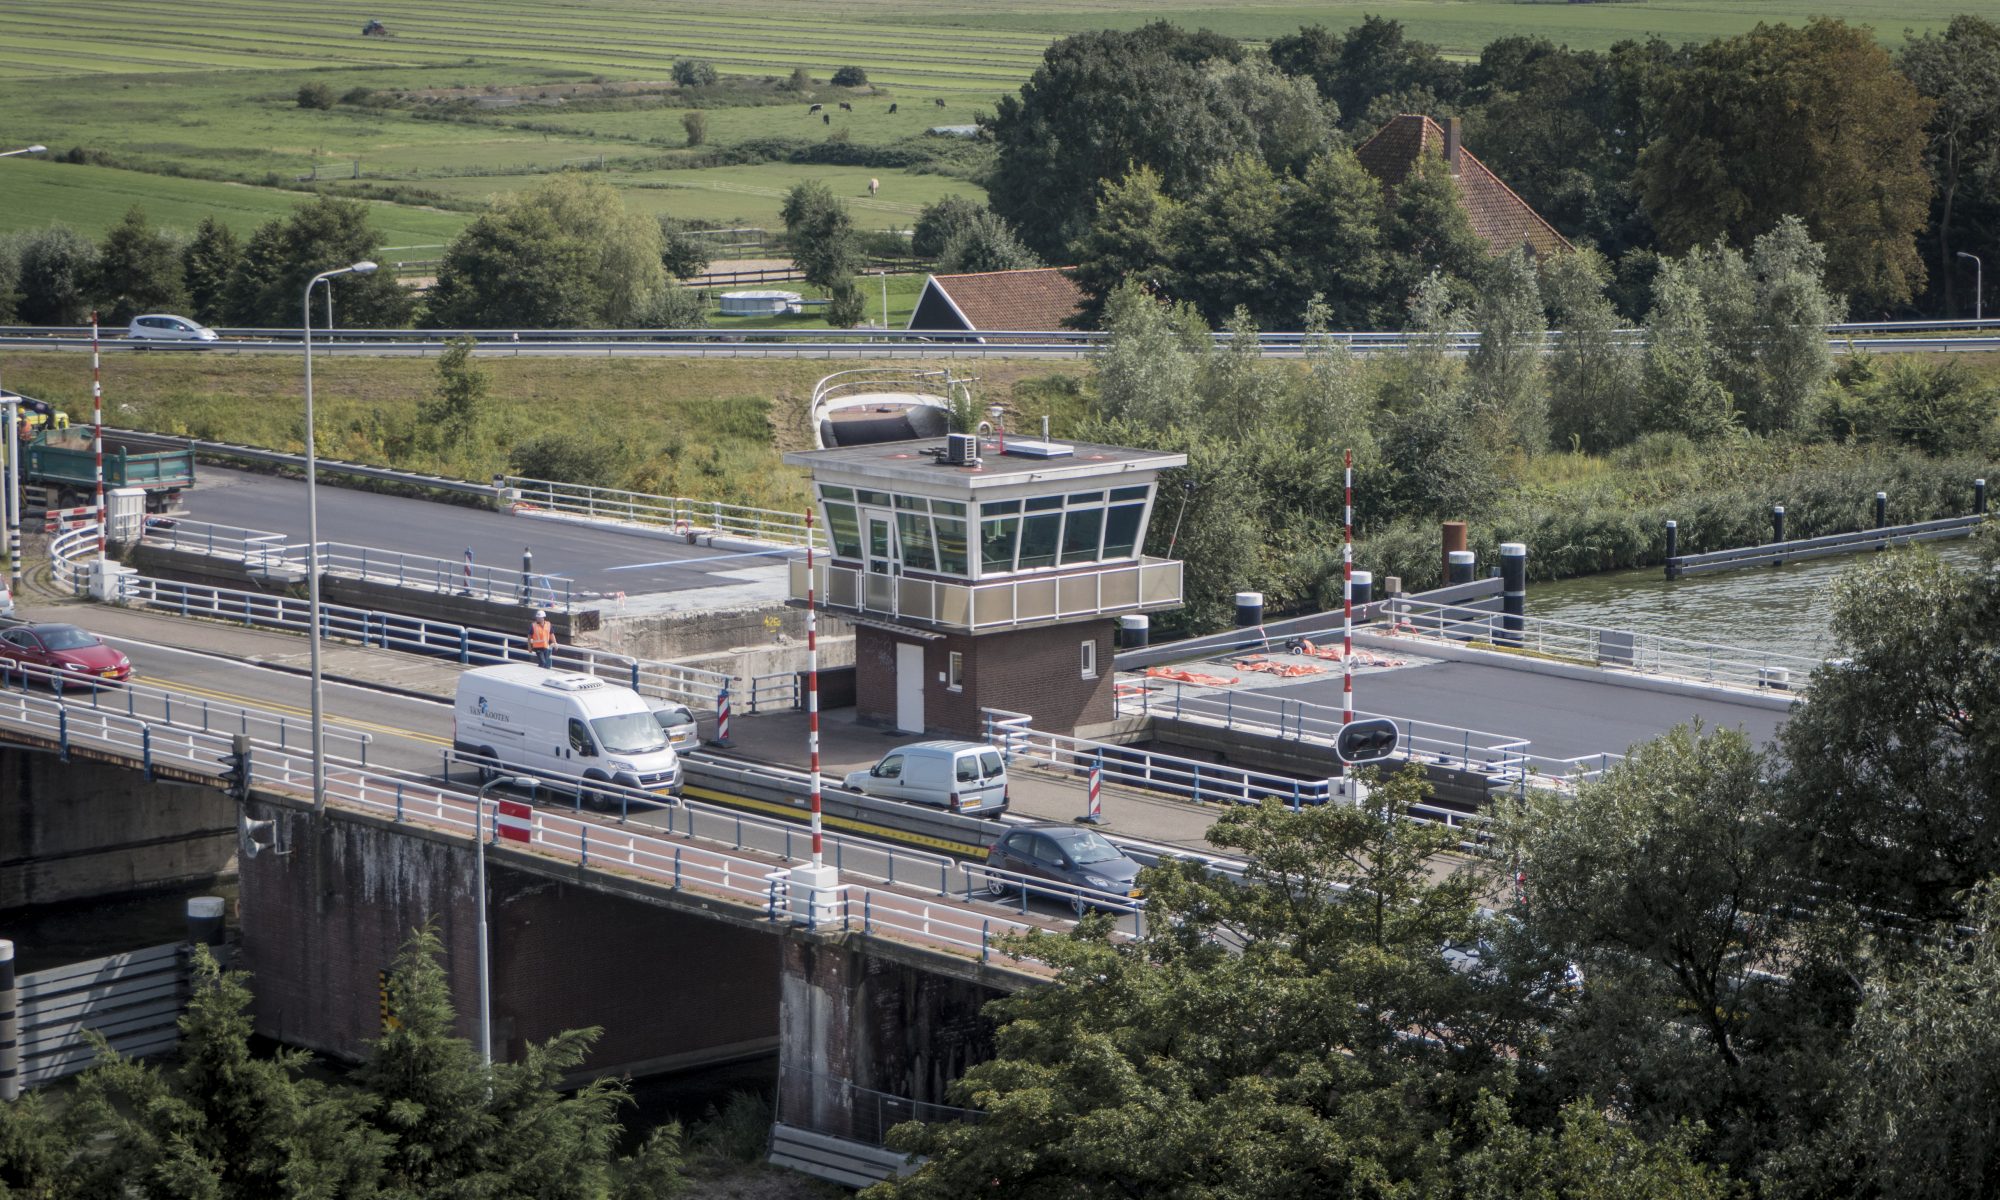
(598, 558)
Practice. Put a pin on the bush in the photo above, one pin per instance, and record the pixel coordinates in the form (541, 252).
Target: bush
(315, 95)
(852, 77)
(694, 72)
(572, 456)
(846, 307)
(357, 95)
(696, 124)
(801, 80)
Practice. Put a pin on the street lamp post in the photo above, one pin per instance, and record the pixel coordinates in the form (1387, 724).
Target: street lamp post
(312, 541)
(10, 504)
(1978, 286)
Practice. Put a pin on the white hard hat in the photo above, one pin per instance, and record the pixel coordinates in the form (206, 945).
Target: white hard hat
(540, 615)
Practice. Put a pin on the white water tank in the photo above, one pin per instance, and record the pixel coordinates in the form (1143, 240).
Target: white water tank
(757, 304)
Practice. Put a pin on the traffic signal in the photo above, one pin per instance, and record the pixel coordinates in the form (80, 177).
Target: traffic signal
(235, 774)
(1367, 741)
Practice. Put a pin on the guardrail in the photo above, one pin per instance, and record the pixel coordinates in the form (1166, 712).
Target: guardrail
(778, 691)
(1858, 332)
(1778, 553)
(1014, 735)
(270, 554)
(259, 725)
(1591, 645)
(133, 1000)
(672, 861)
(680, 514)
(327, 466)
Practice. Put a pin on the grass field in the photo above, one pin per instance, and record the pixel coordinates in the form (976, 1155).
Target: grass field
(712, 428)
(206, 92)
(93, 199)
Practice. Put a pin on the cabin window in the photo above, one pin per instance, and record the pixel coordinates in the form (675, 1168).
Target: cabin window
(843, 529)
(997, 539)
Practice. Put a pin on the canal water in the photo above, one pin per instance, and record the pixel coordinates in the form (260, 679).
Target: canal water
(1783, 610)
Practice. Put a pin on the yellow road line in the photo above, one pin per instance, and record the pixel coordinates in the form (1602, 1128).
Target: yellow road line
(290, 710)
(962, 849)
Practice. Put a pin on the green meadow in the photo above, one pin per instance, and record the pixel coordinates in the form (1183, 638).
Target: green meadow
(194, 110)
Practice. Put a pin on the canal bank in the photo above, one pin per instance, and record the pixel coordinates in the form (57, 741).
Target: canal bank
(1786, 609)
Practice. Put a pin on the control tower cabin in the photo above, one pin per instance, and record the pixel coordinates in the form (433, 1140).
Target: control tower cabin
(984, 572)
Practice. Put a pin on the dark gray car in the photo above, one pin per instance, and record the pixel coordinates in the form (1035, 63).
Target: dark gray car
(1062, 854)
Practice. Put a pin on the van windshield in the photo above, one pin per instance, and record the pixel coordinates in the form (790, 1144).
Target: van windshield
(629, 733)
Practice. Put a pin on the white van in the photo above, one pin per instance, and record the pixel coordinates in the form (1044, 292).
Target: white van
(965, 777)
(564, 723)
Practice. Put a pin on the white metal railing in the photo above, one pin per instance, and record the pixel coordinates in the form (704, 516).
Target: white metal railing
(272, 554)
(670, 860)
(1000, 603)
(149, 703)
(133, 1000)
(1502, 759)
(1014, 735)
(69, 553)
(1644, 653)
(679, 514)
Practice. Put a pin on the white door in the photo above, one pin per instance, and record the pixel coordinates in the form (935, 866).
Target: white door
(909, 687)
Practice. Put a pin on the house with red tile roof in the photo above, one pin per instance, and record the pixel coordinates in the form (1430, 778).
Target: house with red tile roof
(1500, 217)
(1040, 299)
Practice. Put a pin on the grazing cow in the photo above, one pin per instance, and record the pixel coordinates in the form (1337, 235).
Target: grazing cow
(892, 108)
(815, 108)
(846, 107)
(826, 117)
(873, 185)
(938, 100)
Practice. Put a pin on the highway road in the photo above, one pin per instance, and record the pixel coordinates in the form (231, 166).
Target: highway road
(596, 558)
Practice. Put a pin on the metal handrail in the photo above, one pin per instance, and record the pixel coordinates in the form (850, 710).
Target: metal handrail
(259, 725)
(390, 631)
(1589, 645)
(271, 553)
(680, 514)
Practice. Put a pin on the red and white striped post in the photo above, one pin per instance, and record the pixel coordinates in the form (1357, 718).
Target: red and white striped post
(812, 684)
(97, 428)
(468, 570)
(1347, 627)
(722, 720)
(1094, 814)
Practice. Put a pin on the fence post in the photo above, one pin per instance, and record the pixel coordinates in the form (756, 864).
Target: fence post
(722, 720)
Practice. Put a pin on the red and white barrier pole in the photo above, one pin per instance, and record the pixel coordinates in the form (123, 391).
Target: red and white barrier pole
(1094, 814)
(97, 427)
(812, 684)
(722, 720)
(1347, 627)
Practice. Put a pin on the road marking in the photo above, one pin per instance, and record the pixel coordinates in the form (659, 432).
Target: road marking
(705, 559)
(963, 849)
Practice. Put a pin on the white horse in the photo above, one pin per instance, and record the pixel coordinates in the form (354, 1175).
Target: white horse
(873, 185)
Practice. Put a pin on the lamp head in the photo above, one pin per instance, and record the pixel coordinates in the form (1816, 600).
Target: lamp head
(38, 150)
(364, 267)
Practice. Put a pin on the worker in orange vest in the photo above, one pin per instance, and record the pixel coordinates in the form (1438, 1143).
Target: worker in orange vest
(542, 639)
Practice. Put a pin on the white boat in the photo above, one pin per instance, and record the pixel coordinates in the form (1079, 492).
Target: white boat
(860, 408)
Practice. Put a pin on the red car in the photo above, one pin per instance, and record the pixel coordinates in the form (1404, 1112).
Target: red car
(75, 652)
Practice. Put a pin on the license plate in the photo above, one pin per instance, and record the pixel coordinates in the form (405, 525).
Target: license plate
(109, 674)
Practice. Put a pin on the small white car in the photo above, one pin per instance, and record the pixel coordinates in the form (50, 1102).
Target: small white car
(6, 601)
(162, 327)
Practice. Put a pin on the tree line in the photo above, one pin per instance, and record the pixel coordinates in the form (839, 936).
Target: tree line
(565, 253)
(421, 1118)
(1730, 401)
(1718, 970)
(1226, 176)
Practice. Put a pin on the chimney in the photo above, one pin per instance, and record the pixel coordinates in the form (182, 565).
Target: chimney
(1451, 144)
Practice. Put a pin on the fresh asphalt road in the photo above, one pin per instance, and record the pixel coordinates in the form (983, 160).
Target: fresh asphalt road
(1562, 717)
(597, 559)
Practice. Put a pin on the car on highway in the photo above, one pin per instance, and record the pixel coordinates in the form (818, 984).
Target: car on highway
(6, 602)
(677, 723)
(1063, 855)
(75, 653)
(165, 327)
